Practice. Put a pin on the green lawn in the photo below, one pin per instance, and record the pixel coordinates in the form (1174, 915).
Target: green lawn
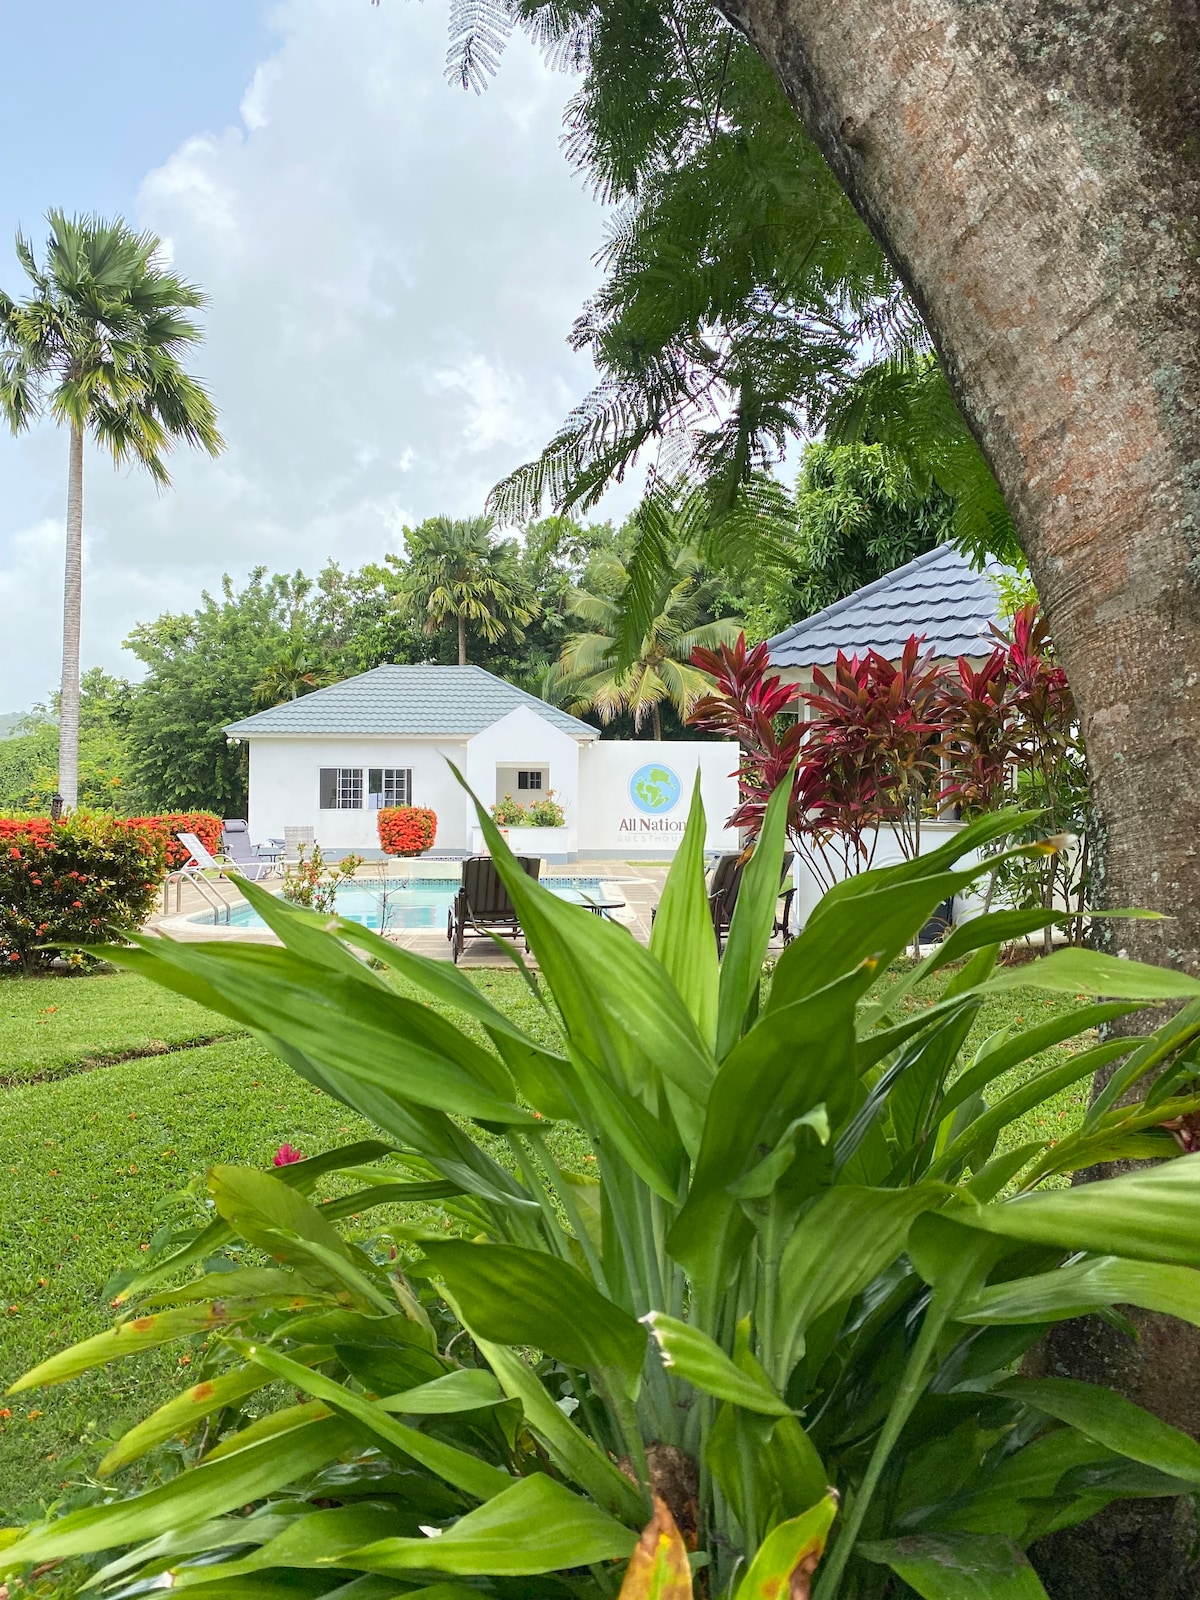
(49, 1026)
(91, 1150)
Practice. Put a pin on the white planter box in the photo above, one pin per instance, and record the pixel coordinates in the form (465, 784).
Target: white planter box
(551, 844)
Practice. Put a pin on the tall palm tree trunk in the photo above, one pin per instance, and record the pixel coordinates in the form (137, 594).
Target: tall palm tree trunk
(462, 640)
(656, 721)
(68, 712)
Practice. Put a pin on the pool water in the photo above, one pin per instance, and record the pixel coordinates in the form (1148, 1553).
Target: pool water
(404, 903)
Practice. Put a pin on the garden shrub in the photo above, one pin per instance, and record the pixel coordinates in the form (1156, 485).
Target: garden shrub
(542, 813)
(162, 828)
(71, 883)
(313, 884)
(407, 830)
(169, 824)
(804, 1255)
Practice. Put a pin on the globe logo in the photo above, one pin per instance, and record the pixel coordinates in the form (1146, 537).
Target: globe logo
(654, 789)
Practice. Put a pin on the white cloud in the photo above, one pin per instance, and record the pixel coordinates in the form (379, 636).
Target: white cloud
(393, 267)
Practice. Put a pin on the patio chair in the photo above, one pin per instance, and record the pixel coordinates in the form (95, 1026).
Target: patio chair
(723, 886)
(201, 862)
(293, 838)
(253, 860)
(482, 904)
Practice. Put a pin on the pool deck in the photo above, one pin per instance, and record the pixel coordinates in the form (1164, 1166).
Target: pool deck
(639, 885)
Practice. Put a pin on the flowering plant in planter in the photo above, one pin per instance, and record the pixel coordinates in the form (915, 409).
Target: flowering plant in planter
(71, 883)
(544, 812)
(407, 830)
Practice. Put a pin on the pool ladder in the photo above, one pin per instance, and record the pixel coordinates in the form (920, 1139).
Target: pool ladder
(209, 893)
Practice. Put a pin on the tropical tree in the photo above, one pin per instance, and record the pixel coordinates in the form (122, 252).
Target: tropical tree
(592, 679)
(98, 344)
(460, 573)
(296, 670)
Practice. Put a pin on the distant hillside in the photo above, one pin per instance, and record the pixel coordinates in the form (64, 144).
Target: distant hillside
(10, 721)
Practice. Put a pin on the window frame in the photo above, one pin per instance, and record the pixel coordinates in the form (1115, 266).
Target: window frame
(347, 784)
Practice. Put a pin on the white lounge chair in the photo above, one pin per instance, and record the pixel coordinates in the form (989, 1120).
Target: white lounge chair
(255, 860)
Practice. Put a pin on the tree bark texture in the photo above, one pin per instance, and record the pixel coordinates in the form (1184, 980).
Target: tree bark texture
(68, 714)
(462, 640)
(1032, 169)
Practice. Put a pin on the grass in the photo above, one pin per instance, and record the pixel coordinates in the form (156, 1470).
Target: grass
(90, 1155)
(51, 1026)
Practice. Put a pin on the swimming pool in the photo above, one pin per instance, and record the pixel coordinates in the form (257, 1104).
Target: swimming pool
(392, 903)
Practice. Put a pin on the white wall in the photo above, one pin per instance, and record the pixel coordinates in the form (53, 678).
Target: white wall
(591, 781)
(525, 738)
(285, 787)
(612, 823)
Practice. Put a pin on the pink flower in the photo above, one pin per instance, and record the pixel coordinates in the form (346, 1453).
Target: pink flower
(286, 1154)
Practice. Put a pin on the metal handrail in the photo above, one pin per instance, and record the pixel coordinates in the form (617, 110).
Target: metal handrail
(209, 893)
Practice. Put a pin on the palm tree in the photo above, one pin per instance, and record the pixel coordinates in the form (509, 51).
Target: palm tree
(98, 344)
(457, 572)
(296, 670)
(587, 680)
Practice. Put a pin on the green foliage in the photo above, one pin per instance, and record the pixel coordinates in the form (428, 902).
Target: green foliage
(544, 812)
(591, 674)
(312, 884)
(459, 574)
(72, 884)
(802, 1191)
(99, 341)
(29, 759)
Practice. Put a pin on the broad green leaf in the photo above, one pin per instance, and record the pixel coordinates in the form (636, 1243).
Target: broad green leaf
(1111, 1420)
(573, 1453)
(140, 1333)
(511, 1295)
(690, 1353)
(842, 1243)
(367, 1032)
(1092, 972)
(1148, 1215)
(535, 1526)
(791, 1061)
(789, 1555)
(216, 1486)
(466, 1472)
(620, 1009)
(468, 1389)
(960, 1567)
(181, 1414)
(682, 936)
(753, 917)
(859, 934)
(283, 1224)
(658, 1568)
(761, 1180)
(1044, 1085)
(315, 1540)
(1074, 1291)
(1010, 1051)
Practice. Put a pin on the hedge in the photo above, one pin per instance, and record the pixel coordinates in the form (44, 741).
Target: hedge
(72, 883)
(162, 828)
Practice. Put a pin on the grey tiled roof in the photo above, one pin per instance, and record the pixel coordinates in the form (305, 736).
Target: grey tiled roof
(404, 700)
(939, 595)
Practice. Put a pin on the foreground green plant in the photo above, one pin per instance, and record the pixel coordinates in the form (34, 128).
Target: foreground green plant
(790, 1306)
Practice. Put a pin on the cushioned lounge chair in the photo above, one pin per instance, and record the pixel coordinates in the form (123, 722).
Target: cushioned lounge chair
(252, 859)
(482, 905)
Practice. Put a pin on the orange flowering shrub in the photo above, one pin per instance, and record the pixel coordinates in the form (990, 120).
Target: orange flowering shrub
(71, 883)
(407, 830)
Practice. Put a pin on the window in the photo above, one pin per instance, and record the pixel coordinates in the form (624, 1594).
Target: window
(341, 788)
(388, 786)
(529, 779)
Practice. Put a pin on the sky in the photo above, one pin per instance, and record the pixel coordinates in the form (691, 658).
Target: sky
(393, 266)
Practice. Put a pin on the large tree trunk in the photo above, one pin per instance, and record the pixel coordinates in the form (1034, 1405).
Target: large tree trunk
(462, 640)
(1032, 168)
(68, 712)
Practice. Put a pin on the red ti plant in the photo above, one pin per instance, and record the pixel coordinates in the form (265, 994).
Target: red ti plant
(746, 706)
(878, 730)
(981, 733)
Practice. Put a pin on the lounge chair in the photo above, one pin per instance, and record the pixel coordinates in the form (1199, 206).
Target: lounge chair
(296, 837)
(723, 886)
(482, 904)
(254, 860)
